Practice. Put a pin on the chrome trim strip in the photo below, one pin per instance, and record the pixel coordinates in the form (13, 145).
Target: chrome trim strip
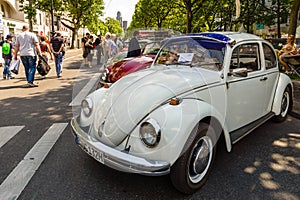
(122, 161)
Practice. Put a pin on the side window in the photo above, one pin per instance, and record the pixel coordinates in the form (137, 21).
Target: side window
(246, 56)
(270, 57)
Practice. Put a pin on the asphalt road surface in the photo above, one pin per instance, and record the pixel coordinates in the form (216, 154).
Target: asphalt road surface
(40, 160)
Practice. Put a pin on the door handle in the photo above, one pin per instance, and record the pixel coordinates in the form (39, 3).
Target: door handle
(263, 79)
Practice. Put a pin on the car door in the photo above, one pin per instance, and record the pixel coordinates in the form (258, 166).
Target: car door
(272, 72)
(245, 94)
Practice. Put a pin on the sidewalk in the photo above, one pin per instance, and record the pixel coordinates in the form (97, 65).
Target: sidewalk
(296, 106)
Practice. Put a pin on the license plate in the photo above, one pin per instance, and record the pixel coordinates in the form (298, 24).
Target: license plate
(98, 155)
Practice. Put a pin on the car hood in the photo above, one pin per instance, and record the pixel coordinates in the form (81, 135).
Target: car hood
(131, 98)
(128, 65)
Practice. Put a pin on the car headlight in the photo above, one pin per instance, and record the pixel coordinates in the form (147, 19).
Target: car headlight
(150, 133)
(87, 107)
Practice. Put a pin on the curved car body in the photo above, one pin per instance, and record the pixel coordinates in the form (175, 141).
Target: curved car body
(169, 117)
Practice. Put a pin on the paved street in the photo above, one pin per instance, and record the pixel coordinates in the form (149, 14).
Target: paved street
(40, 160)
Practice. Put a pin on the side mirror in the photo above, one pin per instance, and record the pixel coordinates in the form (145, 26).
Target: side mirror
(239, 72)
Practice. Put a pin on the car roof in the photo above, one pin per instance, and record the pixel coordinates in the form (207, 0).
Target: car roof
(224, 37)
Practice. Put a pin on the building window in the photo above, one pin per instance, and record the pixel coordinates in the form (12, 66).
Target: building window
(40, 15)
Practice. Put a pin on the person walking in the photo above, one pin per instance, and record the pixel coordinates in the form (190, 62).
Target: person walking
(89, 46)
(112, 46)
(84, 49)
(7, 51)
(99, 49)
(57, 48)
(134, 48)
(28, 45)
(106, 47)
(45, 48)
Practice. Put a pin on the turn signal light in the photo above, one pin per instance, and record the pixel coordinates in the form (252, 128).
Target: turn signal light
(174, 101)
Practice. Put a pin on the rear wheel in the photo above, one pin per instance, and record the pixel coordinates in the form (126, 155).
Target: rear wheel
(191, 170)
(285, 106)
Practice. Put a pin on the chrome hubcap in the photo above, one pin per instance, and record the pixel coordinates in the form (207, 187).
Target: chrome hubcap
(285, 104)
(200, 159)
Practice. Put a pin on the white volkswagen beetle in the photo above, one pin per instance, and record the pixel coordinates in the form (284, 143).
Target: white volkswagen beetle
(168, 118)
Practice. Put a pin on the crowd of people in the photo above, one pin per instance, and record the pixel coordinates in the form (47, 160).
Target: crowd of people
(31, 50)
(107, 46)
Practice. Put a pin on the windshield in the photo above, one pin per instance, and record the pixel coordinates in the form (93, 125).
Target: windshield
(194, 52)
(151, 48)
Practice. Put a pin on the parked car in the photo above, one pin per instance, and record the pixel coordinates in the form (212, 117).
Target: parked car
(128, 65)
(170, 117)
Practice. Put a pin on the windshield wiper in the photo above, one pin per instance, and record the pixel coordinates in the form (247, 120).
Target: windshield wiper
(187, 63)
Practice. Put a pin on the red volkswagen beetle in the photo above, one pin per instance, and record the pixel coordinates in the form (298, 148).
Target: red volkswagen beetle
(128, 65)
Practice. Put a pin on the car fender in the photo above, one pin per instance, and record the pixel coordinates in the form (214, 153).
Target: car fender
(177, 123)
(283, 82)
(94, 96)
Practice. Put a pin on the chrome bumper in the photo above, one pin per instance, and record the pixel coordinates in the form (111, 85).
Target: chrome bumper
(116, 159)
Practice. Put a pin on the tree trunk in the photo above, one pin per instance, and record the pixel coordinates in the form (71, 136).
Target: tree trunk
(293, 17)
(189, 18)
(278, 19)
(74, 38)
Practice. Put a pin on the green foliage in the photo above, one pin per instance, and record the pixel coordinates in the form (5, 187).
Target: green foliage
(29, 8)
(113, 26)
(82, 12)
(207, 15)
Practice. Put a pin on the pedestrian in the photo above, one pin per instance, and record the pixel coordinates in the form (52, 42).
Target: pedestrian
(89, 46)
(45, 48)
(28, 45)
(134, 48)
(112, 46)
(105, 47)
(84, 50)
(290, 48)
(99, 49)
(7, 52)
(119, 44)
(57, 48)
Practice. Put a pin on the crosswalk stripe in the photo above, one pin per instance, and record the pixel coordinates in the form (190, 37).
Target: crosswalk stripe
(6, 133)
(17, 180)
(85, 91)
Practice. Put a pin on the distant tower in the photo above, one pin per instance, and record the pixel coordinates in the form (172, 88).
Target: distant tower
(125, 25)
(119, 18)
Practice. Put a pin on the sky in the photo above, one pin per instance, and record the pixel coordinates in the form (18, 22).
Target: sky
(126, 7)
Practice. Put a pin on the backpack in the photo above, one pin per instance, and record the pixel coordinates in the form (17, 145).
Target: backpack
(6, 48)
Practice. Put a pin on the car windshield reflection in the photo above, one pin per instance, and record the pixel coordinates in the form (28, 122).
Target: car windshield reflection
(193, 52)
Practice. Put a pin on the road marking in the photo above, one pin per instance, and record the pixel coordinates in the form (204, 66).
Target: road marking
(85, 90)
(17, 180)
(6, 133)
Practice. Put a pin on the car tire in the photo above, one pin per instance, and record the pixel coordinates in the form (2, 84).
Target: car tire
(191, 170)
(285, 106)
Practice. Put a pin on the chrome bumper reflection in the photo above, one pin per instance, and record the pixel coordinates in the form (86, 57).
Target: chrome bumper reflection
(116, 159)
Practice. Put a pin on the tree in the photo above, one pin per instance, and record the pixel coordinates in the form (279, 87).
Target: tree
(191, 7)
(81, 13)
(113, 26)
(29, 8)
(140, 18)
(293, 17)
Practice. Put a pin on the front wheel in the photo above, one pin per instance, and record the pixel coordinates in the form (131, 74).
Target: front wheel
(285, 106)
(191, 170)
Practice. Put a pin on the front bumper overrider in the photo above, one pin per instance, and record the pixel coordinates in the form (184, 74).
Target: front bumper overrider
(117, 159)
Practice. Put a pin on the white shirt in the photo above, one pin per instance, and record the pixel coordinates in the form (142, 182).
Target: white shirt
(26, 42)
